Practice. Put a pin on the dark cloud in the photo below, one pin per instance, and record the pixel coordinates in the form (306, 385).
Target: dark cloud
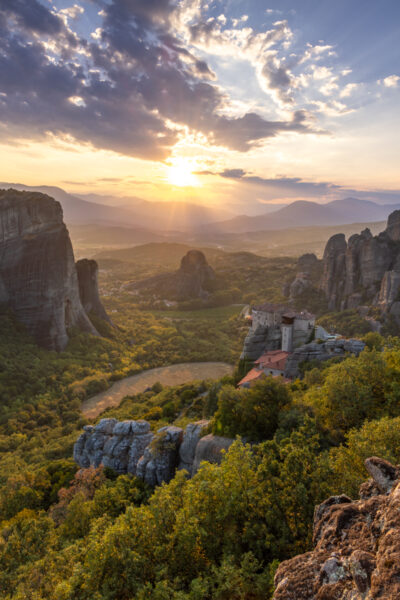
(296, 185)
(31, 15)
(120, 92)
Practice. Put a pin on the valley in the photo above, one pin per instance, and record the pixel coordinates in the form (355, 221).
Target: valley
(143, 419)
(172, 375)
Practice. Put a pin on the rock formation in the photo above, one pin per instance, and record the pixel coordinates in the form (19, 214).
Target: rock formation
(160, 459)
(194, 279)
(88, 288)
(364, 270)
(130, 447)
(38, 277)
(307, 272)
(320, 351)
(356, 552)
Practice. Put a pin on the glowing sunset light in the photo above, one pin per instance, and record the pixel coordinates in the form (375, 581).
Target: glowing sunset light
(180, 173)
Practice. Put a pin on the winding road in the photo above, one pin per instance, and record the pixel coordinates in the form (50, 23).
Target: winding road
(172, 375)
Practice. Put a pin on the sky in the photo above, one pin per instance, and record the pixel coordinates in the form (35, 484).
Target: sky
(235, 103)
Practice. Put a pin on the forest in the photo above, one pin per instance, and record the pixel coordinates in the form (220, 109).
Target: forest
(91, 534)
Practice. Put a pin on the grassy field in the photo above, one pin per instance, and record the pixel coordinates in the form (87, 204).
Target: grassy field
(218, 313)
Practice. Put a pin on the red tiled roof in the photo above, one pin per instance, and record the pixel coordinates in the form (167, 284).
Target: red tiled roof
(252, 376)
(274, 359)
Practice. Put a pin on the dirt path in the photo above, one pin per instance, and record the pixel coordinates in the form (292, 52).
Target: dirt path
(172, 375)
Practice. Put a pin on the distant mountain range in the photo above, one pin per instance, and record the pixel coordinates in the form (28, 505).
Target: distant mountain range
(161, 217)
(305, 214)
(134, 212)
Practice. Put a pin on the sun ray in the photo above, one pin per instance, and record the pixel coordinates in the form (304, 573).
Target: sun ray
(180, 173)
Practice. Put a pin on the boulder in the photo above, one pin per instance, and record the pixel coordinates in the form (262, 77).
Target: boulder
(211, 449)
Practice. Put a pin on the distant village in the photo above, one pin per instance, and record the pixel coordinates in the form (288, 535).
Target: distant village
(280, 339)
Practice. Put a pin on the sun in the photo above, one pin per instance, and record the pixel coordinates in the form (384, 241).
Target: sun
(180, 173)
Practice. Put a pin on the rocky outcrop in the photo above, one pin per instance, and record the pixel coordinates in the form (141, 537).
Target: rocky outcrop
(194, 279)
(321, 352)
(356, 553)
(87, 271)
(38, 277)
(210, 449)
(364, 270)
(130, 447)
(118, 445)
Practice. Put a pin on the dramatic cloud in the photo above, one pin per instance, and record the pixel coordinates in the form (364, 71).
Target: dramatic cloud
(294, 185)
(132, 85)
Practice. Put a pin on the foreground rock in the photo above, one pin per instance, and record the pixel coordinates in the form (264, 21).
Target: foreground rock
(38, 276)
(130, 447)
(356, 552)
(194, 279)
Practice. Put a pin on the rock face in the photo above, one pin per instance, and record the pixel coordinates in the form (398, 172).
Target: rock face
(364, 270)
(87, 271)
(114, 444)
(356, 552)
(194, 279)
(321, 352)
(38, 277)
(255, 343)
(130, 447)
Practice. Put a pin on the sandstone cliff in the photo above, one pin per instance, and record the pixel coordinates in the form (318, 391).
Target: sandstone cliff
(364, 270)
(194, 279)
(356, 552)
(38, 277)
